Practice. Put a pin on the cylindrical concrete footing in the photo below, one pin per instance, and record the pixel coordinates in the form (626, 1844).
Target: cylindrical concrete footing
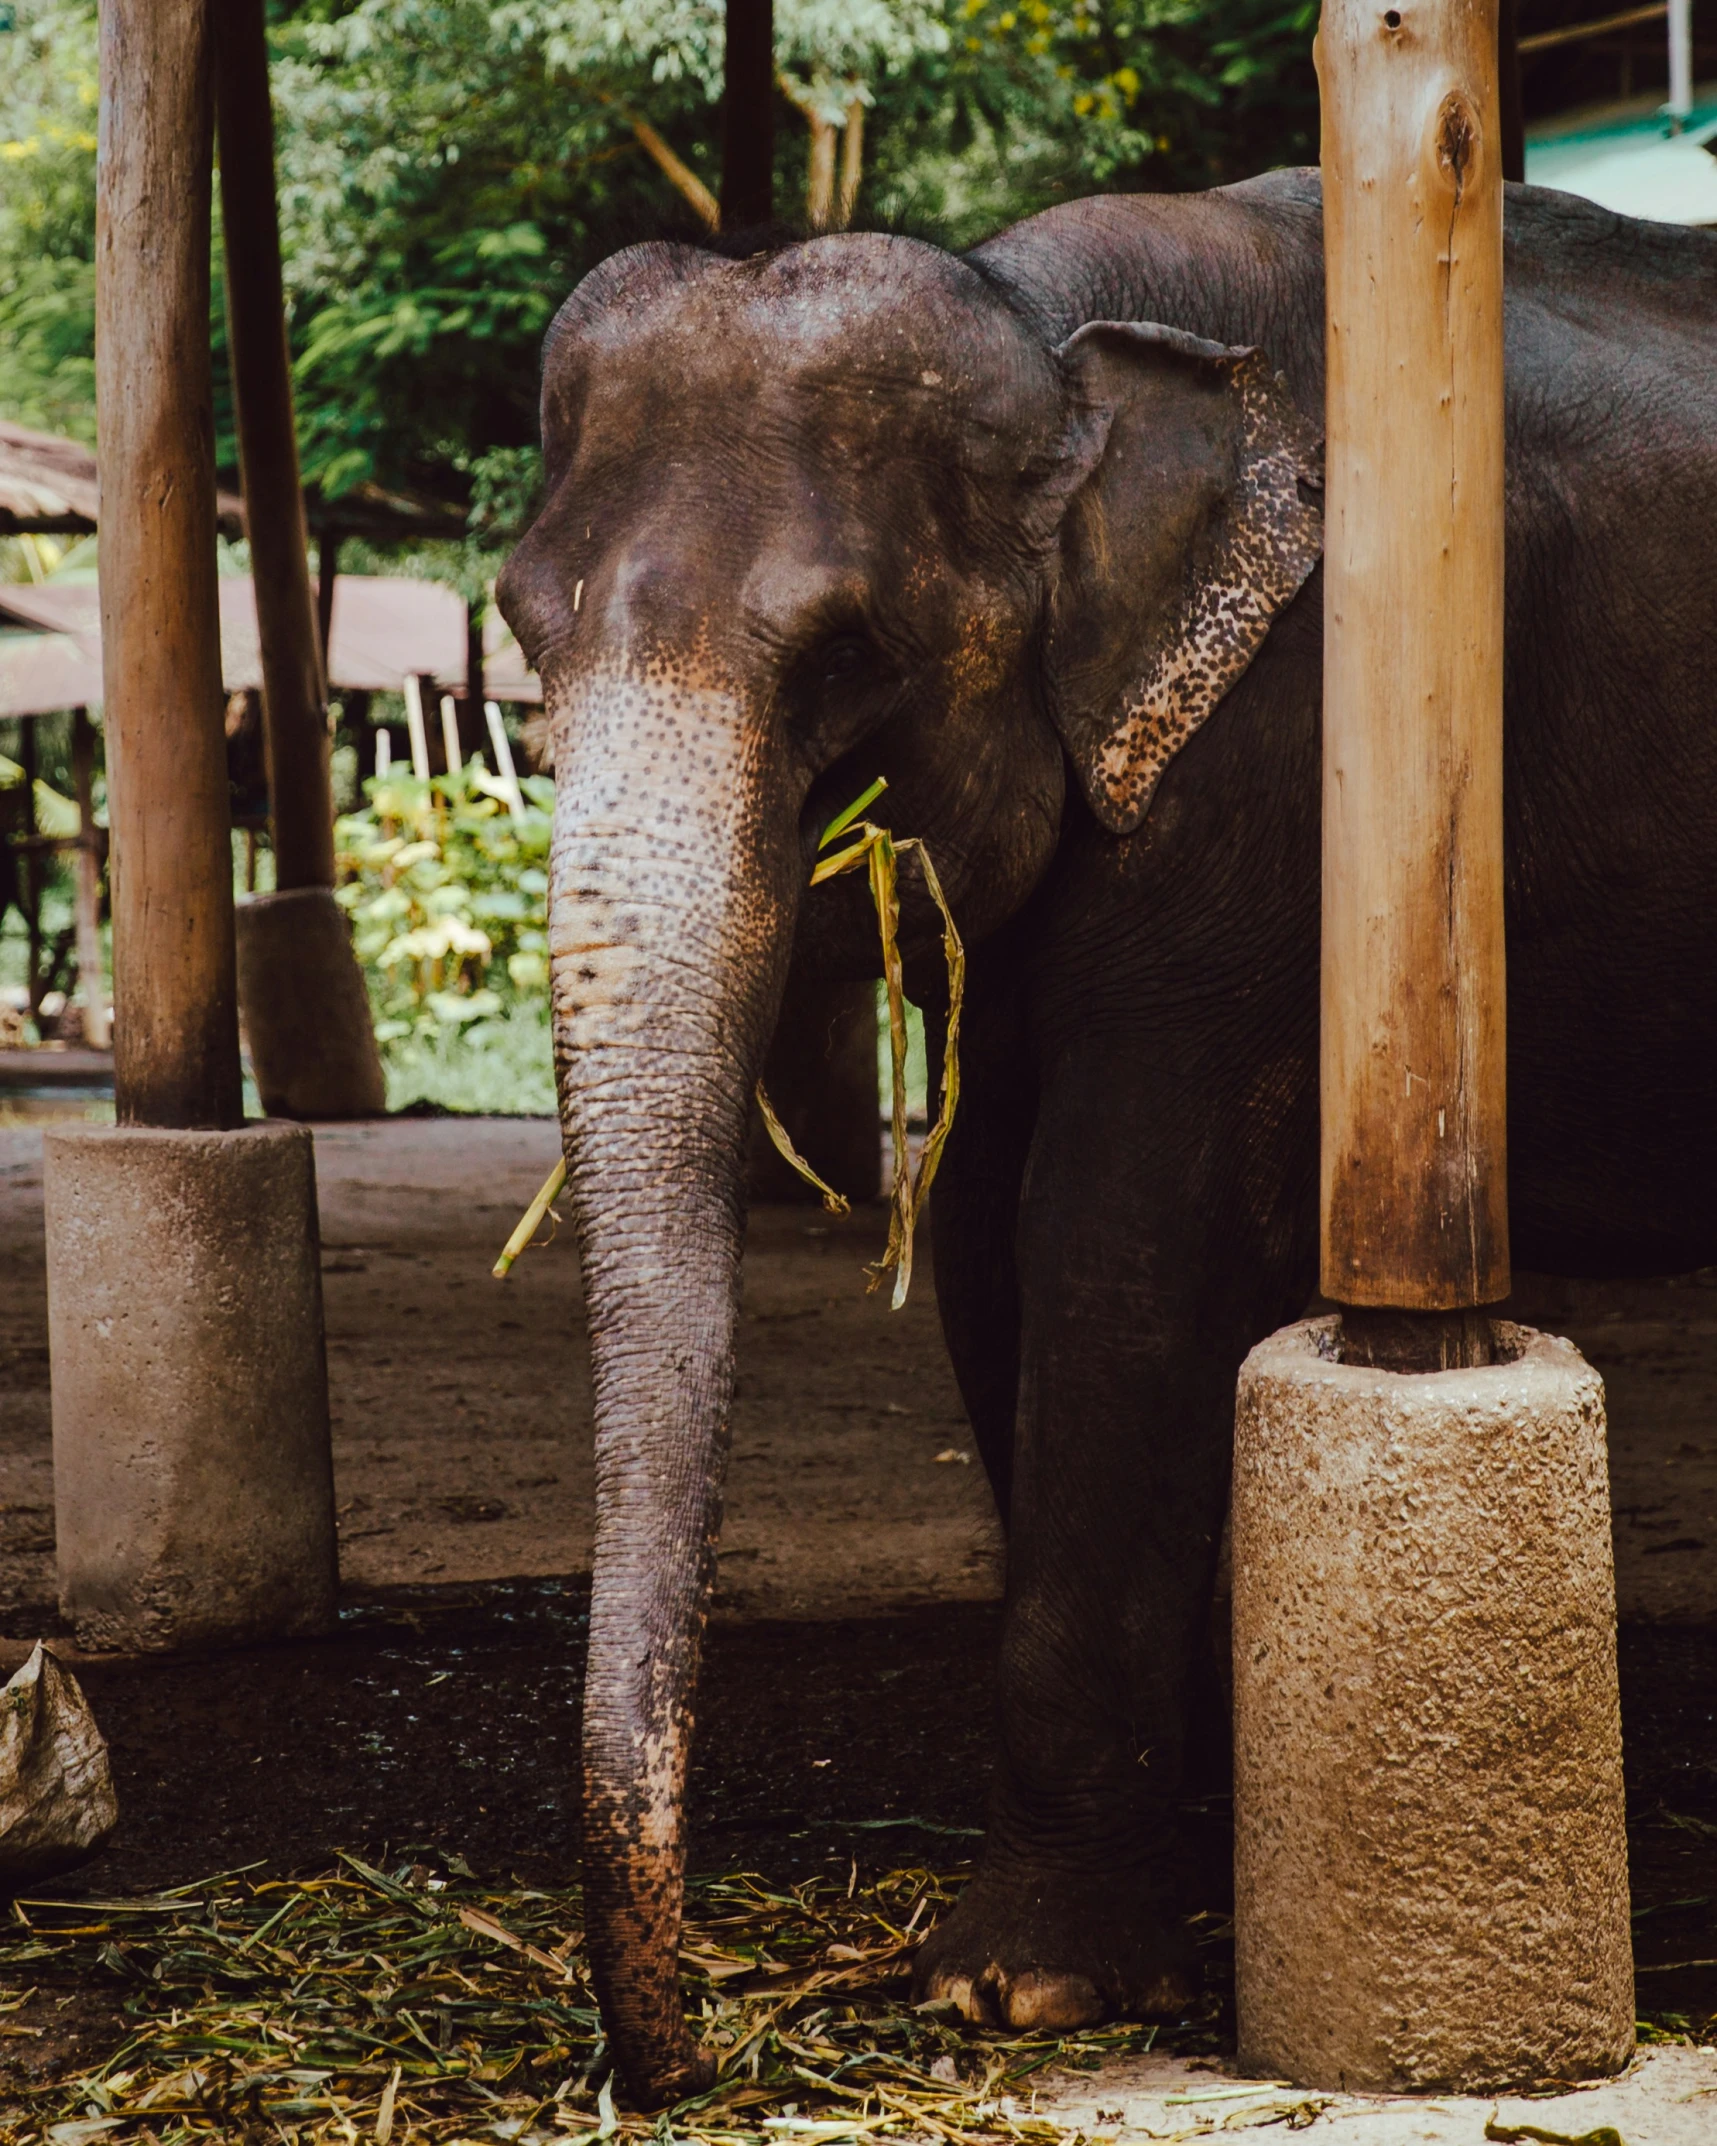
(193, 1485)
(306, 1013)
(1430, 1863)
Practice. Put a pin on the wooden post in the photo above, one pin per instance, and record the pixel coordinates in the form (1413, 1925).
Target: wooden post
(327, 575)
(176, 1057)
(470, 702)
(1414, 1172)
(29, 871)
(1430, 1849)
(748, 115)
(91, 982)
(293, 689)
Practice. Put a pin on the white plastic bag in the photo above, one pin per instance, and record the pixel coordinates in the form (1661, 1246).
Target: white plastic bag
(57, 1804)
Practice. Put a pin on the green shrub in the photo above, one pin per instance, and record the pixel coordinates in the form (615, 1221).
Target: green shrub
(447, 890)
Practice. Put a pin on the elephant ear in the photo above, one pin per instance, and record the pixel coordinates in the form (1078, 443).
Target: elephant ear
(1192, 517)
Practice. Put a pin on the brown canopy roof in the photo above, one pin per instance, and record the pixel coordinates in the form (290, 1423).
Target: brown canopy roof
(382, 629)
(48, 488)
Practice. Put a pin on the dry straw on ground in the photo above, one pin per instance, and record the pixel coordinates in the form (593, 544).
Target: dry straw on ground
(422, 2006)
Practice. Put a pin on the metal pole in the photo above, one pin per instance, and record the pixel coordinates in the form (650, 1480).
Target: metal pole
(1680, 62)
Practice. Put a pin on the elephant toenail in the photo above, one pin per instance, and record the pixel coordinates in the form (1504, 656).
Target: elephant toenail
(1035, 1999)
(962, 1994)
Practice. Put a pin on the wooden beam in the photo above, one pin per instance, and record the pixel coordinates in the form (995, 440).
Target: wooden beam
(1414, 1171)
(294, 694)
(176, 1057)
(748, 115)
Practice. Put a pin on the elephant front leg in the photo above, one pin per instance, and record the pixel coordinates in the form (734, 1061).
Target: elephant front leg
(1144, 1277)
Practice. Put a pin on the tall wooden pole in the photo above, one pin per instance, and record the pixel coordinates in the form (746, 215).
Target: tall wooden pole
(176, 1057)
(1414, 1176)
(1430, 1859)
(748, 115)
(294, 697)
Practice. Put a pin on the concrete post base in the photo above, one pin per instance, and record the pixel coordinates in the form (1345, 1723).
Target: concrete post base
(306, 1012)
(1430, 1865)
(193, 1484)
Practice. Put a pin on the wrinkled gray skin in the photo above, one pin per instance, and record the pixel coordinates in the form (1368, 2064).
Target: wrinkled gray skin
(860, 507)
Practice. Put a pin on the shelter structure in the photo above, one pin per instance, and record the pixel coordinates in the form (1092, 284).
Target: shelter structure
(382, 631)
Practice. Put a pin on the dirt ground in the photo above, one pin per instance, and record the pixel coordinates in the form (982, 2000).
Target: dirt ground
(846, 1698)
(462, 1411)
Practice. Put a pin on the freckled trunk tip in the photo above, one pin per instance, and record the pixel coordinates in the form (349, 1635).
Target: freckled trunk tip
(664, 1382)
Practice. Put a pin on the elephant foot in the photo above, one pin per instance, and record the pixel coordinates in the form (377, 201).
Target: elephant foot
(1054, 1952)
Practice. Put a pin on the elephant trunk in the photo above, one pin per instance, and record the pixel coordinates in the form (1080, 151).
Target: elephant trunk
(669, 934)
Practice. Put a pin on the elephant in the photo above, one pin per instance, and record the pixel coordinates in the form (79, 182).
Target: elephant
(1034, 532)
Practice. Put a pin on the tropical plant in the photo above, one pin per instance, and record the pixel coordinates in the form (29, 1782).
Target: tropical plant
(447, 889)
(47, 217)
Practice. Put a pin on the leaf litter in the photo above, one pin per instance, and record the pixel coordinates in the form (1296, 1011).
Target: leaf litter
(424, 2006)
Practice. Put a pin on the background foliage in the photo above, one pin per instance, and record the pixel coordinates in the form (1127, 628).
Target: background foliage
(449, 168)
(447, 890)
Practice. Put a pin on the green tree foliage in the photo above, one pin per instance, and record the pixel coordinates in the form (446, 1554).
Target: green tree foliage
(449, 168)
(447, 891)
(47, 217)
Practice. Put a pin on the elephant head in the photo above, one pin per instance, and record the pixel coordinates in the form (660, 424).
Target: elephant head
(810, 517)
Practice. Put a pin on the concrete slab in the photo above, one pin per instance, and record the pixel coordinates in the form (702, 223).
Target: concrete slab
(1667, 2097)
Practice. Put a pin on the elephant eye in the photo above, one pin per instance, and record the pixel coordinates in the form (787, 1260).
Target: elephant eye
(839, 681)
(841, 660)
